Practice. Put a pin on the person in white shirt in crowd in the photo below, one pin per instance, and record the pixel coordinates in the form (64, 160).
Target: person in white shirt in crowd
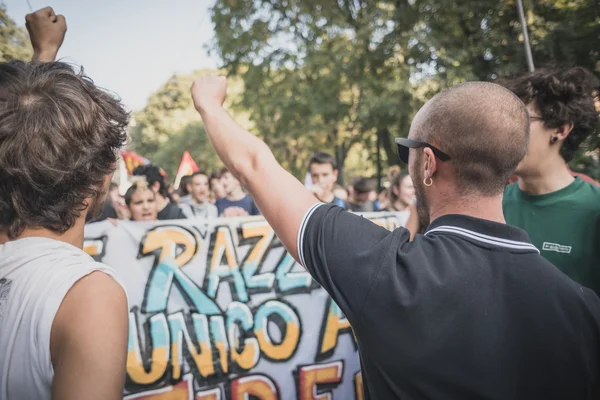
(63, 316)
(185, 190)
(200, 206)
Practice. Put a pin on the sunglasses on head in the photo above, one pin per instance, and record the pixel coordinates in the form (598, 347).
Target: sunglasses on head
(404, 145)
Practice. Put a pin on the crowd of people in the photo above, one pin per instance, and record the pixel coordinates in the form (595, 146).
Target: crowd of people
(497, 298)
(220, 194)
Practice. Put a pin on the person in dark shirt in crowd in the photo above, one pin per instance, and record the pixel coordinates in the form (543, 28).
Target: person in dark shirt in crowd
(156, 182)
(108, 210)
(560, 212)
(114, 206)
(200, 205)
(341, 193)
(323, 171)
(217, 191)
(470, 310)
(236, 202)
(173, 195)
(185, 190)
(360, 196)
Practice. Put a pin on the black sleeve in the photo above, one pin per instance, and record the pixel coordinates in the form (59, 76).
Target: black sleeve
(180, 214)
(255, 210)
(343, 252)
(107, 212)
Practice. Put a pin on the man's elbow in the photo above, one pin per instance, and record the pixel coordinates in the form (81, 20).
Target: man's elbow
(249, 168)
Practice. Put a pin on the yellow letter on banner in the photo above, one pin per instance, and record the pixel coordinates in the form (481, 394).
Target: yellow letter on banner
(335, 323)
(159, 332)
(312, 375)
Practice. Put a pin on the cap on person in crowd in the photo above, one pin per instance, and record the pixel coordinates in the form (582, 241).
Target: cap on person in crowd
(363, 185)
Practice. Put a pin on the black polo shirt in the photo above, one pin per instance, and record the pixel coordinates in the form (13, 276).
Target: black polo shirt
(470, 310)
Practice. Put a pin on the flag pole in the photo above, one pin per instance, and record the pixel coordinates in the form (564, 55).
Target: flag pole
(528, 54)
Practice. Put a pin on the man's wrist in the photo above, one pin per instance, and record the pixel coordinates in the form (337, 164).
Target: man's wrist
(209, 109)
(44, 55)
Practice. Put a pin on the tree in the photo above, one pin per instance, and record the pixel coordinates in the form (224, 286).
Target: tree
(317, 76)
(169, 125)
(14, 40)
(340, 76)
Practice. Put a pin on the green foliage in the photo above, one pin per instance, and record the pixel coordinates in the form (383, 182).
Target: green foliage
(192, 138)
(336, 76)
(14, 40)
(169, 125)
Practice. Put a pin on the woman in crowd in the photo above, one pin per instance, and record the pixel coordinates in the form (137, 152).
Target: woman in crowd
(141, 201)
(402, 193)
(402, 199)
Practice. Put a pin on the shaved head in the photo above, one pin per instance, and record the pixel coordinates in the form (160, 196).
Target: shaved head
(483, 127)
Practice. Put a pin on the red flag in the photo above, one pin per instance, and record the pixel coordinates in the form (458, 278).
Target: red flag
(133, 160)
(187, 167)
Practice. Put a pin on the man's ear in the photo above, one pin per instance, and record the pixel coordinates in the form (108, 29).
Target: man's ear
(156, 187)
(430, 163)
(563, 131)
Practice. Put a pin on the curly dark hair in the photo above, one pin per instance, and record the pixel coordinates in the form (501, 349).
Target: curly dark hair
(153, 175)
(561, 97)
(59, 137)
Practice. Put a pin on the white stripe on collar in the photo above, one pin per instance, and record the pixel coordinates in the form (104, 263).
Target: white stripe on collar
(300, 240)
(511, 244)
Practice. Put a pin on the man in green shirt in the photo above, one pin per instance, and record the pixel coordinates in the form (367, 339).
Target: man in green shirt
(561, 213)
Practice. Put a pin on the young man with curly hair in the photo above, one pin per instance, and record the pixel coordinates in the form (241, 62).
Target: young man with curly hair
(63, 316)
(560, 212)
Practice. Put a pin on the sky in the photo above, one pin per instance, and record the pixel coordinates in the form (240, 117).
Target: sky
(130, 47)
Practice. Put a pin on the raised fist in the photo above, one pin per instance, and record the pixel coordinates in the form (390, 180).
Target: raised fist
(318, 191)
(209, 92)
(47, 32)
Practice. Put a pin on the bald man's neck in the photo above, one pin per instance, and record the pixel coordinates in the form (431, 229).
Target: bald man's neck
(488, 208)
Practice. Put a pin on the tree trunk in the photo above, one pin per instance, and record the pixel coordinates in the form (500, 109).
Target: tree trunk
(387, 143)
(340, 158)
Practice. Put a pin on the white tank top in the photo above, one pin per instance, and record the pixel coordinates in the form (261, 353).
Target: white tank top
(35, 275)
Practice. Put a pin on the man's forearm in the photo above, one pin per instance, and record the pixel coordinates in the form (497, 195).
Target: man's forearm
(44, 56)
(281, 198)
(240, 151)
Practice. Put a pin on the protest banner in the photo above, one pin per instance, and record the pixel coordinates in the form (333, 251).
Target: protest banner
(219, 310)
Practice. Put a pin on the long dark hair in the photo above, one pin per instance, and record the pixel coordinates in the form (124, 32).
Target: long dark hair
(396, 182)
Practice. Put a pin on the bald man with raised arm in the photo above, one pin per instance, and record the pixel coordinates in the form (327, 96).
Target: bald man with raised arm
(470, 310)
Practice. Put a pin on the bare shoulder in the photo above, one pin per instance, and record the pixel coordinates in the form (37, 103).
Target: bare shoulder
(88, 341)
(93, 301)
